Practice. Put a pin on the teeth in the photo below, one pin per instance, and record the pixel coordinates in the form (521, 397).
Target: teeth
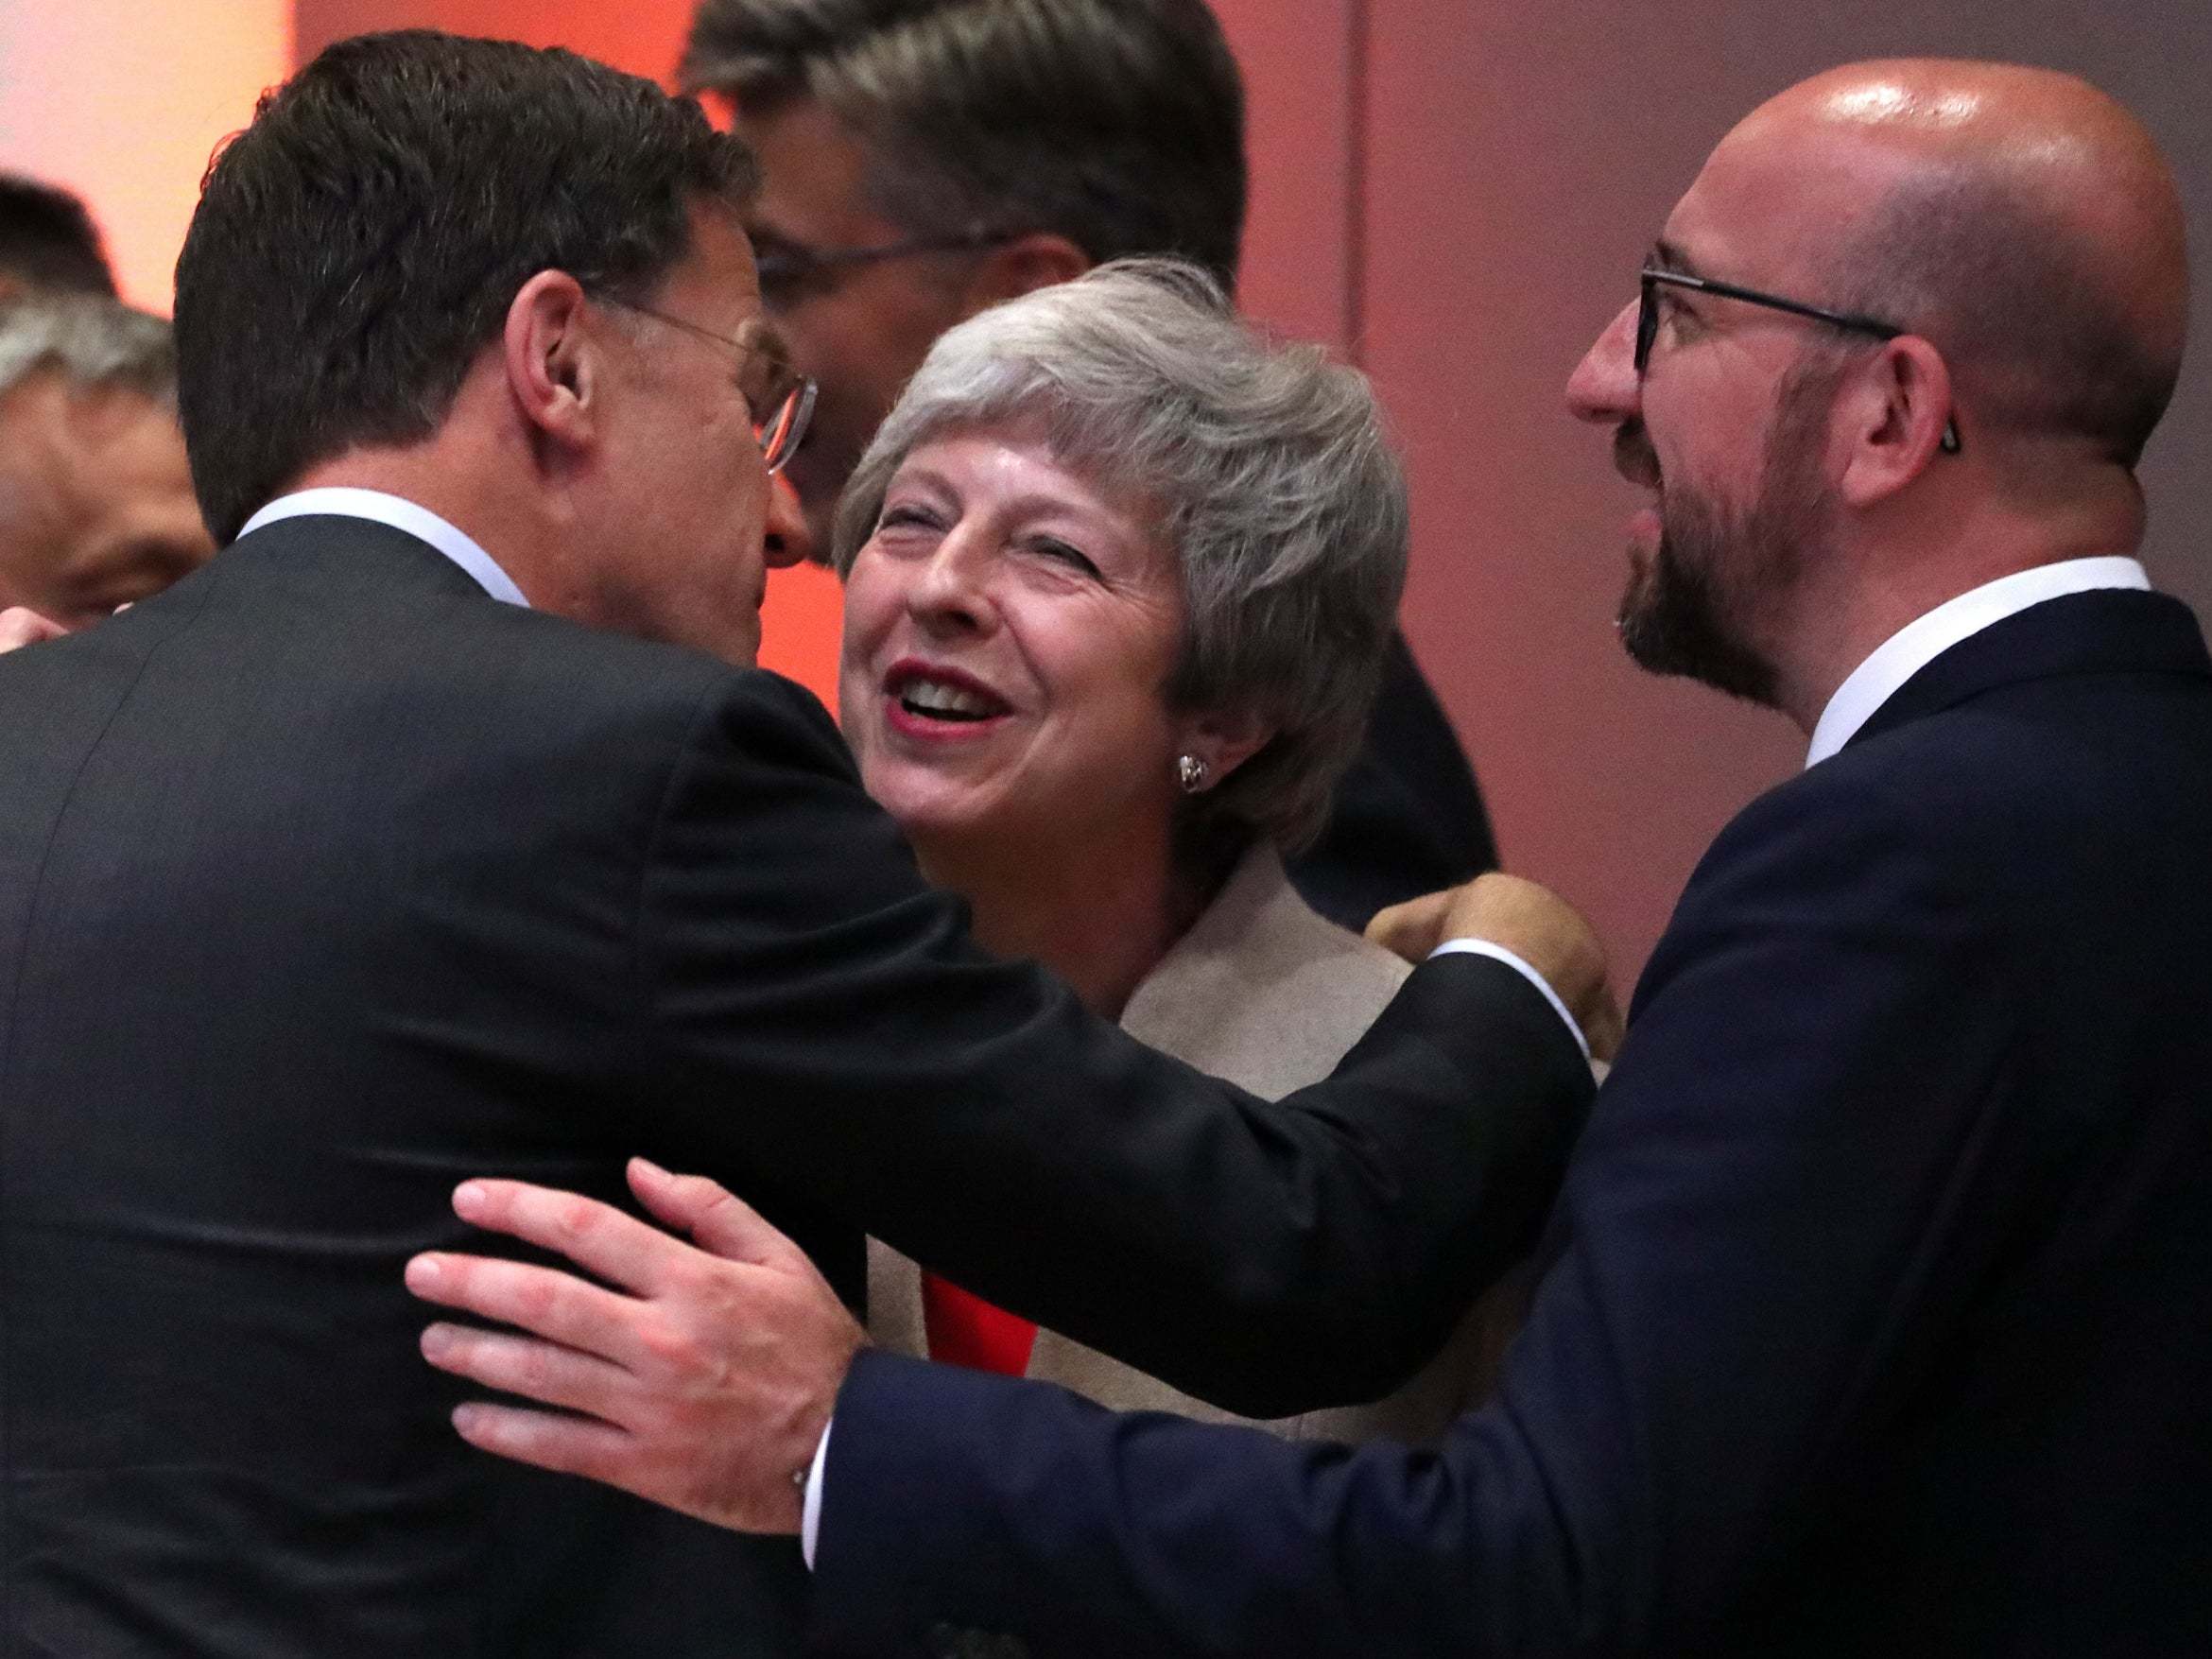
(930, 696)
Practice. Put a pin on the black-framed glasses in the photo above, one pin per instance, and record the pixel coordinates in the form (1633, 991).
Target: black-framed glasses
(788, 268)
(778, 397)
(1650, 277)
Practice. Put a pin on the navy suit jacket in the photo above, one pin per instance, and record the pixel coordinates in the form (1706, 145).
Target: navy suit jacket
(1883, 1320)
(326, 881)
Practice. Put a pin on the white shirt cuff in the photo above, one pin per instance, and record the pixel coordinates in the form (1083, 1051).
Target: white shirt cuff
(1483, 948)
(810, 1510)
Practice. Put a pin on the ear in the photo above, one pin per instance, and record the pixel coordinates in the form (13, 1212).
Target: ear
(1895, 416)
(1036, 259)
(552, 365)
(1223, 740)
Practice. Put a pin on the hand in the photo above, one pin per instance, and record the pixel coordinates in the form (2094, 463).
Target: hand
(1533, 922)
(706, 1390)
(22, 627)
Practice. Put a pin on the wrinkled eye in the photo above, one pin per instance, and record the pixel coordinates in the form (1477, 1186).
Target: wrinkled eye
(905, 514)
(1062, 552)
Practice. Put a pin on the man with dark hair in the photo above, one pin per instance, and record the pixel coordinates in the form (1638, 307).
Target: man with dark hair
(48, 241)
(1881, 1322)
(326, 878)
(96, 501)
(925, 159)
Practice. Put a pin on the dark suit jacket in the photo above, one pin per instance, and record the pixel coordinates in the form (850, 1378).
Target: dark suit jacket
(326, 881)
(1407, 818)
(1884, 1321)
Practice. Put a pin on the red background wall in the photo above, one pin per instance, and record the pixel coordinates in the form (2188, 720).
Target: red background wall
(1457, 192)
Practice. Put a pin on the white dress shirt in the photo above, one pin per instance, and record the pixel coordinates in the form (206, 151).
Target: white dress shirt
(1921, 641)
(401, 514)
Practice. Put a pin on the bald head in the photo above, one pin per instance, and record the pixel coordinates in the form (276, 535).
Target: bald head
(2018, 218)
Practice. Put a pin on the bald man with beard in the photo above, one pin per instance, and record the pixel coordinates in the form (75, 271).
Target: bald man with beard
(1881, 1317)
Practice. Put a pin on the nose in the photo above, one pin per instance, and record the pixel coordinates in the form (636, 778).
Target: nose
(1604, 387)
(784, 537)
(950, 591)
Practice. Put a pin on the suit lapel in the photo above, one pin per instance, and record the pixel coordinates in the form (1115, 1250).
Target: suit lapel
(2110, 630)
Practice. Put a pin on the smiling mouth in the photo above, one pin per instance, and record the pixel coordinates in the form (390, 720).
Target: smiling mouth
(929, 695)
(1634, 458)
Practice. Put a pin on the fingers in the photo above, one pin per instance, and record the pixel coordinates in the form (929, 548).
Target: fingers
(543, 1300)
(597, 1237)
(20, 625)
(715, 1218)
(1411, 929)
(1605, 1028)
(566, 1445)
(523, 1365)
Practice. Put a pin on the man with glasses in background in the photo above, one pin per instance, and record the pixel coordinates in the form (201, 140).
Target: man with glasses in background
(924, 159)
(400, 840)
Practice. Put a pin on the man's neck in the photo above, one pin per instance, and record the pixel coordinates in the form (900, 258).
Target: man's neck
(455, 490)
(1875, 592)
(1902, 656)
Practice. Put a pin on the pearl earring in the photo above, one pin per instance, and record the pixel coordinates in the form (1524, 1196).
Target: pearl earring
(1192, 772)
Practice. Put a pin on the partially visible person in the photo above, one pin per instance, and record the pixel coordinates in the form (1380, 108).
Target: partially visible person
(1883, 1320)
(95, 498)
(48, 243)
(1119, 582)
(925, 159)
(429, 825)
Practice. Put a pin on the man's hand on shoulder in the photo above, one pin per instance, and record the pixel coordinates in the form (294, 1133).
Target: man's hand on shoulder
(701, 1381)
(1533, 922)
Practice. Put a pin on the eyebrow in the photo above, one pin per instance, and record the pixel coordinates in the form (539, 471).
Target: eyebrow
(1665, 255)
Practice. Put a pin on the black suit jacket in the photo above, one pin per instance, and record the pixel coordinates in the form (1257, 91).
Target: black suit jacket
(1884, 1318)
(326, 881)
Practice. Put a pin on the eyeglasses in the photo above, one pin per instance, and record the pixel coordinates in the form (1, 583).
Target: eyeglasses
(778, 397)
(1651, 278)
(788, 268)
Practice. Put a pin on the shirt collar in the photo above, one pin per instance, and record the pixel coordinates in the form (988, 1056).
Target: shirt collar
(401, 514)
(1920, 642)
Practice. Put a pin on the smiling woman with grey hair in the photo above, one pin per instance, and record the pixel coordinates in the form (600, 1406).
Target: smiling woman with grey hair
(1120, 576)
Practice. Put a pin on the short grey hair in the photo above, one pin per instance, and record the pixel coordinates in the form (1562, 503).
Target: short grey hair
(1278, 491)
(88, 339)
(1117, 124)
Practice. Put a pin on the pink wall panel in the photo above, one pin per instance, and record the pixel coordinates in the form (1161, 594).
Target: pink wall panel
(1300, 65)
